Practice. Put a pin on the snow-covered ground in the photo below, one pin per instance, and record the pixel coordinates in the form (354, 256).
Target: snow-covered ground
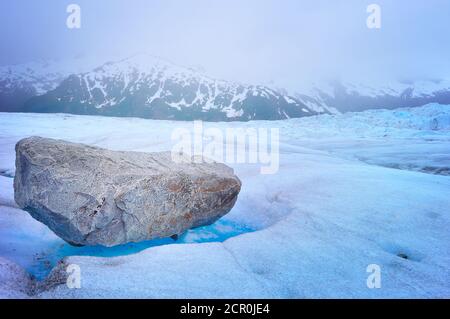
(352, 190)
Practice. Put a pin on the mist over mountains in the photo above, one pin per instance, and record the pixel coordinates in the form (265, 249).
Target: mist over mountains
(150, 87)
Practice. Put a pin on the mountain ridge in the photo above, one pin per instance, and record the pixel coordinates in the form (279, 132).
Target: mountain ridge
(148, 86)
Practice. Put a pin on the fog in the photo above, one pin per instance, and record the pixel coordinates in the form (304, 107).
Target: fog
(285, 43)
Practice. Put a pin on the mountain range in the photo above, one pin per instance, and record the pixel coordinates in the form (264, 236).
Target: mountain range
(150, 87)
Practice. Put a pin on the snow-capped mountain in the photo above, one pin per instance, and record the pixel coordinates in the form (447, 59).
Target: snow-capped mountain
(339, 96)
(20, 82)
(150, 87)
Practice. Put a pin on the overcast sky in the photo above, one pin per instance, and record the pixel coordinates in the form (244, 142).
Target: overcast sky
(283, 42)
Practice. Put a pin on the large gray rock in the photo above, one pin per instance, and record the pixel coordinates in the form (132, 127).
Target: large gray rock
(89, 196)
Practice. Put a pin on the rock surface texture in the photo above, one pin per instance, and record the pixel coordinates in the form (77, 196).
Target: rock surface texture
(93, 196)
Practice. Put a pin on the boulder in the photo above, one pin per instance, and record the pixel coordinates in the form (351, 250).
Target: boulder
(93, 196)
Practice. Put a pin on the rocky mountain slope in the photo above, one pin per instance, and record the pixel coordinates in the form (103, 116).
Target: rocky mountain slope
(341, 96)
(20, 82)
(149, 87)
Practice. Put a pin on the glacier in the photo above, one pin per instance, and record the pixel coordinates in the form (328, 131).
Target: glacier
(352, 190)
